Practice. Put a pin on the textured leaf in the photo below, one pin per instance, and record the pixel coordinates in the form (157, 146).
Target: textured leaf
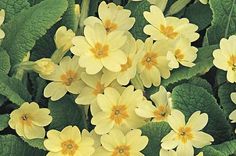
(10, 145)
(13, 89)
(220, 77)
(66, 112)
(224, 20)
(189, 98)
(13, 7)
(93, 7)
(155, 132)
(5, 64)
(36, 143)
(200, 82)
(137, 9)
(4, 121)
(29, 25)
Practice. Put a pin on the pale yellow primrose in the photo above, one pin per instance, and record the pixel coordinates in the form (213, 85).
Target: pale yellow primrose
(2, 18)
(65, 78)
(44, 66)
(225, 57)
(69, 142)
(168, 27)
(29, 120)
(164, 152)
(112, 17)
(232, 115)
(116, 143)
(186, 136)
(153, 63)
(99, 49)
(161, 108)
(118, 110)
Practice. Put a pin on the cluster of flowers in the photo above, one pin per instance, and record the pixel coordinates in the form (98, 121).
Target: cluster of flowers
(105, 60)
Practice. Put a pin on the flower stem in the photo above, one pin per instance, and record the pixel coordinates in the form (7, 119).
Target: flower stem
(83, 15)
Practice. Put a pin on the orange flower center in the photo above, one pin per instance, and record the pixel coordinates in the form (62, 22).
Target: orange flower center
(119, 113)
(69, 147)
(122, 150)
(232, 62)
(26, 119)
(185, 134)
(99, 89)
(179, 55)
(100, 50)
(168, 31)
(109, 26)
(68, 77)
(162, 112)
(149, 60)
(125, 67)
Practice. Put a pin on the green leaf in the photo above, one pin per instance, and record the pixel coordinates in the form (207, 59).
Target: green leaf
(224, 20)
(66, 112)
(137, 9)
(4, 121)
(220, 77)
(13, 7)
(155, 132)
(199, 14)
(36, 143)
(5, 64)
(11, 145)
(93, 7)
(200, 82)
(29, 25)
(189, 99)
(224, 149)
(13, 89)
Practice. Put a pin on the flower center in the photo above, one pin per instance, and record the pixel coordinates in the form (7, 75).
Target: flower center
(69, 147)
(185, 134)
(179, 55)
(162, 112)
(68, 77)
(149, 60)
(168, 31)
(99, 89)
(125, 67)
(25, 119)
(232, 62)
(109, 26)
(119, 113)
(100, 50)
(122, 150)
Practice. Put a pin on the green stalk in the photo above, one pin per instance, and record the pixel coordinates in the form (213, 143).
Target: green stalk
(83, 16)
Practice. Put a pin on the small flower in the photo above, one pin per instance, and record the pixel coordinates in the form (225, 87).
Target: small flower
(63, 38)
(182, 53)
(225, 57)
(169, 27)
(29, 120)
(232, 115)
(186, 136)
(153, 63)
(112, 17)
(164, 152)
(160, 111)
(69, 142)
(44, 66)
(204, 1)
(117, 110)
(99, 49)
(2, 18)
(200, 154)
(66, 77)
(116, 143)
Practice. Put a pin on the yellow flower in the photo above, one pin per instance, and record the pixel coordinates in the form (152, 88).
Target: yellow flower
(160, 111)
(99, 49)
(69, 142)
(186, 136)
(232, 115)
(44, 66)
(128, 70)
(118, 110)
(204, 1)
(94, 87)
(169, 27)
(116, 143)
(153, 63)
(200, 154)
(112, 17)
(225, 57)
(2, 18)
(63, 38)
(182, 53)
(77, 11)
(164, 152)
(66, 77)
(29, 120)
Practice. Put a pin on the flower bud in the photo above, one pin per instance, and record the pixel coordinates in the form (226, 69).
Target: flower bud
(44, 66)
